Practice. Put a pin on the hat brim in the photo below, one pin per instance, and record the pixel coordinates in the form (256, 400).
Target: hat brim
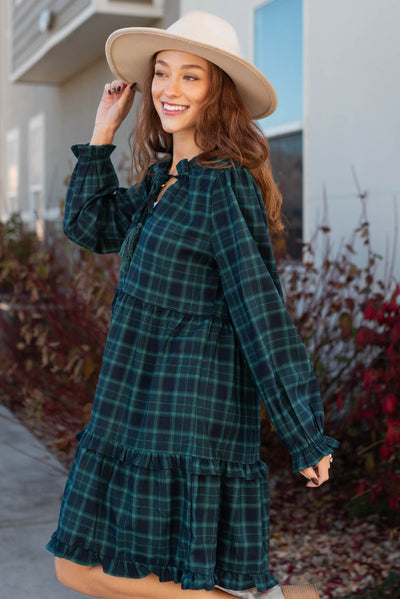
(129, 51)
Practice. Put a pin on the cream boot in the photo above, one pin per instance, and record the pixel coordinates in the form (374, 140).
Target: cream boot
(295, 591)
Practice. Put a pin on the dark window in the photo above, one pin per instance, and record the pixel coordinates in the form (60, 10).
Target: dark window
(287, 169)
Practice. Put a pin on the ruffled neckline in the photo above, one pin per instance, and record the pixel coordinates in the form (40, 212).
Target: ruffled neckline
(184, 167)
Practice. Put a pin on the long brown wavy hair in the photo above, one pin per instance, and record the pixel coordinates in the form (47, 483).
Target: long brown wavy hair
(226, 131)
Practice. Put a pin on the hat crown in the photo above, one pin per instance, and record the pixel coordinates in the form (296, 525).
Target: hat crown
(206, 28)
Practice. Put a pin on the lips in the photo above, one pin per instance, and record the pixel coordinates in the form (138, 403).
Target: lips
(173, 108)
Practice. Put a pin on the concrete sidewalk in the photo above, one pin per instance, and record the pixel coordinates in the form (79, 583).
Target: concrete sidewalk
(31, 484)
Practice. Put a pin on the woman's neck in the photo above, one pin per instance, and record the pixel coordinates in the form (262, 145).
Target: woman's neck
(183, 148)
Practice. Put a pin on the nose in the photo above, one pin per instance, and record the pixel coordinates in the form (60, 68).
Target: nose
(173, 89)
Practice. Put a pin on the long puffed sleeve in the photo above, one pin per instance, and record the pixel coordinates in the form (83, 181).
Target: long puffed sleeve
(98, 212)
(270, 344)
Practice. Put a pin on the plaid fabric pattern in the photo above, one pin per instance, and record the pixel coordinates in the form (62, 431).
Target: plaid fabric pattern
(167, 478)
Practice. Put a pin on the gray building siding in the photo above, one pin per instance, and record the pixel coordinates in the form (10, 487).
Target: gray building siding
(27, 39)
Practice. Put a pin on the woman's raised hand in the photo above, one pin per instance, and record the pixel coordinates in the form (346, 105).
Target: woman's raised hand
(115, 103)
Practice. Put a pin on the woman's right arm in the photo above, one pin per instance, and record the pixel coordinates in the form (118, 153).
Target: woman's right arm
(98, 212)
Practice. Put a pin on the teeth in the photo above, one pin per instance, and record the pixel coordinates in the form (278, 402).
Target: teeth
(175, 108)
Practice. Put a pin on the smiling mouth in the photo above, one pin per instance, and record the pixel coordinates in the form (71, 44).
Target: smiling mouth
(173, 107)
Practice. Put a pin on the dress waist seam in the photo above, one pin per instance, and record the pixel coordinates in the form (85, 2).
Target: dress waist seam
(158, 460)
(222, 312)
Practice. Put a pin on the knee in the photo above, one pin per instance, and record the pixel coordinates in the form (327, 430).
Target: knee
(61, 570)
(71, 575)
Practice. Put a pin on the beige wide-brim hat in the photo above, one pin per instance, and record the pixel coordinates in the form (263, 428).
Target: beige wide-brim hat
(130, 50)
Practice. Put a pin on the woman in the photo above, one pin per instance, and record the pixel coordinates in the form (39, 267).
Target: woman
(167, 496)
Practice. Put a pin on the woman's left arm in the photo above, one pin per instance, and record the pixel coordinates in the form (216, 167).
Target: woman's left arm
(268, 338)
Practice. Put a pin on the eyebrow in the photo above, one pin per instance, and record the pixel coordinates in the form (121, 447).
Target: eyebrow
(184, 66)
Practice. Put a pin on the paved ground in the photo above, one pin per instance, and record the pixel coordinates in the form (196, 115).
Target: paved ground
(31, 484)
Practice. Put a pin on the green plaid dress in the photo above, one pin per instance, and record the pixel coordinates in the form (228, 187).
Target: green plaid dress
(167, 477)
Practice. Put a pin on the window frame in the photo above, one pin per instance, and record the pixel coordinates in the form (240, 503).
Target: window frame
(36, 189)
(12, 196)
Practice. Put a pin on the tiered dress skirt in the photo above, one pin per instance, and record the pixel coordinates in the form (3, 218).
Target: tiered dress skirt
(143, 495)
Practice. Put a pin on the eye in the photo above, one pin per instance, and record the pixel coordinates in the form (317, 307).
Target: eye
(191, 78)
(159, 74)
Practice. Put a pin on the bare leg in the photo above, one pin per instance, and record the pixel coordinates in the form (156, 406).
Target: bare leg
(92, 581)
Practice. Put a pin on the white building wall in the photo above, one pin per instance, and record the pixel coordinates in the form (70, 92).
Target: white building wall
(352, 116)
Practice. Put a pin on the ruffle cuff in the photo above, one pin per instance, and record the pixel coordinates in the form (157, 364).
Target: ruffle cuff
(89, 153)
(310, 456)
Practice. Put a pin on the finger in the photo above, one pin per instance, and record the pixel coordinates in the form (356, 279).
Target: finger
(114, 87)
(124, 100)
(110, 88)
(128, 89)
(311, 475)
(128, 94)
(323, 468)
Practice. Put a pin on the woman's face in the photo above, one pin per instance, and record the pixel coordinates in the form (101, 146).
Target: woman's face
(179, 89)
